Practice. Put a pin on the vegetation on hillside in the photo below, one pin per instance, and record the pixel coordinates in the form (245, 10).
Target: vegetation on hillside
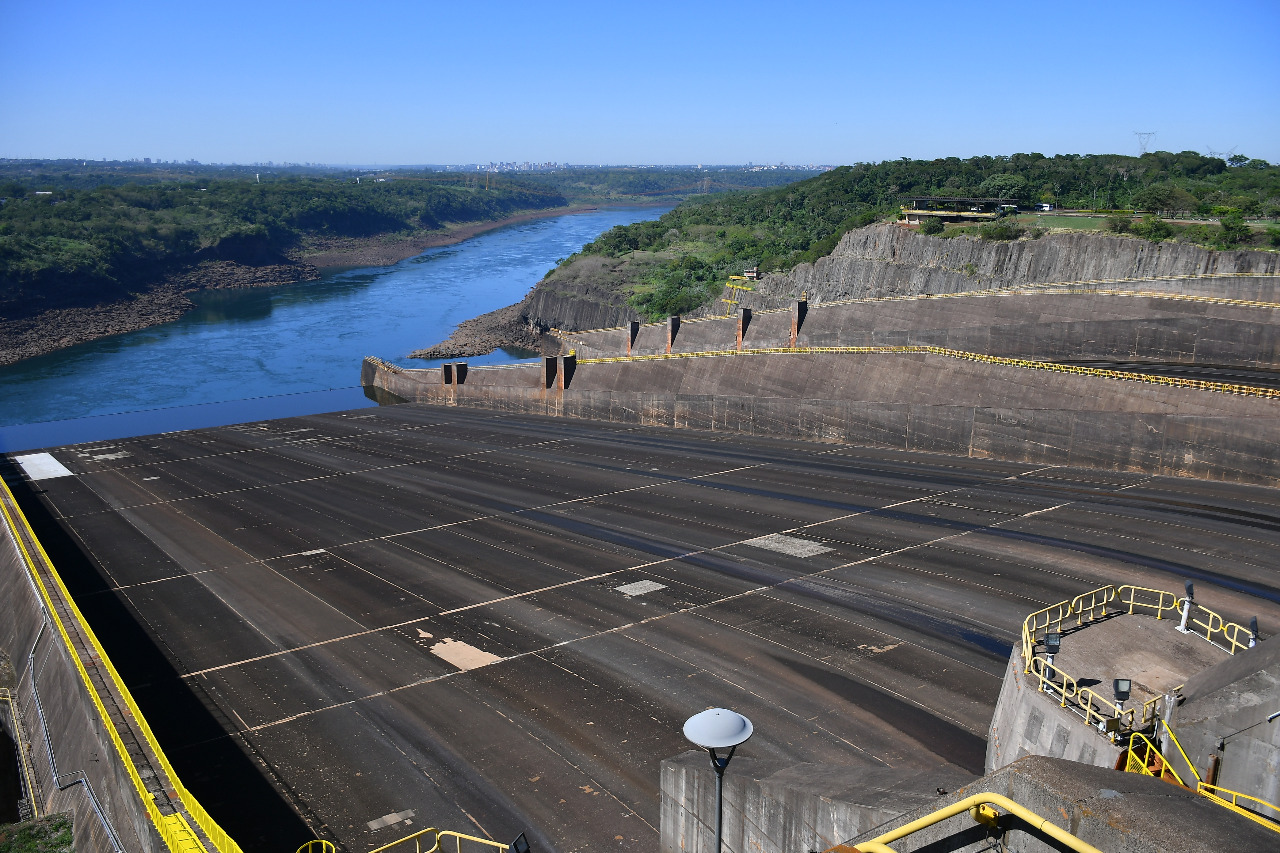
(76, 232)
(71, 245)
(682, 260)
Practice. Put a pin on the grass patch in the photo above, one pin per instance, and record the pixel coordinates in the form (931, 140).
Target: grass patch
(49, 834)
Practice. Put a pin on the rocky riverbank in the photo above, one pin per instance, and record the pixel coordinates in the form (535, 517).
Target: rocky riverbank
(506, 327)
(167, 300)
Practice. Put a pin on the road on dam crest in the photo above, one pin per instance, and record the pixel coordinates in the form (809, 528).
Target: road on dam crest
(422, 616)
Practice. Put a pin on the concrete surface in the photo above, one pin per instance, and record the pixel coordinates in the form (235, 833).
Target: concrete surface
(1116, 812)
(308, 581)
(911, 402)
(1223, 713)
(781, 806)
(63, 722)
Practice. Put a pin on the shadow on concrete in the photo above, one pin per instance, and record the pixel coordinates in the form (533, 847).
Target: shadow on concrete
(215, 767)
(946, 740)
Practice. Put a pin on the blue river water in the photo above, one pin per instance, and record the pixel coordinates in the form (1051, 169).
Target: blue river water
(255, 354)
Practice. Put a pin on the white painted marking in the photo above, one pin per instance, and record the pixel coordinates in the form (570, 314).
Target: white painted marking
(463, 655)
(145, 479)
(111, 457)
(42, 466)
(388, 819)
(310, 553)
(423, 634)
(791, 545)
(639, 588)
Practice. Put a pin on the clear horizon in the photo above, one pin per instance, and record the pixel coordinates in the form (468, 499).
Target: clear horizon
(812, 83)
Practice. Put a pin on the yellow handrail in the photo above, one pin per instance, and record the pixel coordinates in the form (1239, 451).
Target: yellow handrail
(24, 758)
(1211, 792)
(318, 845)
(173, 828)
(880, 844)
(439, 834)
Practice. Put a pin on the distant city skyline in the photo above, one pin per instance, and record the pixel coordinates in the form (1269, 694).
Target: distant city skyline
(810, 83)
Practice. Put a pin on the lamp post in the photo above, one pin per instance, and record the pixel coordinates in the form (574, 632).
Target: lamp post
(1052, 645)
(1186, 606)
(718, 728)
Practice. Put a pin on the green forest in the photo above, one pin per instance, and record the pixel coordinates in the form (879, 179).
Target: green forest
(77, 232)
(681, 261)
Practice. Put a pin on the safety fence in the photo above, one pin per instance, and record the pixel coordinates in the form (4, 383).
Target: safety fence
(178, 835)
(24, 753)
(437, 843)
(1145, 758)
(1100, 603)
(1026, 364)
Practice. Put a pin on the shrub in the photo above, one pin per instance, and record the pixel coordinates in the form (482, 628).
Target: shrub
(1153, 228)
(1119, 223)
(1273, 236)
(932, 225)
(1004, 229)
(1232, 229)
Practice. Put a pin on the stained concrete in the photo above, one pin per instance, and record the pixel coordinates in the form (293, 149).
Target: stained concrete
(297, 574)
(1114, 811)
(1223, 713)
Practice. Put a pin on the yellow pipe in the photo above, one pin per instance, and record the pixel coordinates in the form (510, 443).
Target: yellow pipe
(1026, 815)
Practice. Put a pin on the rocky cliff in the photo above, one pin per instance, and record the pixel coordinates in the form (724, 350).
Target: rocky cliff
(887, 260)
(879, 260)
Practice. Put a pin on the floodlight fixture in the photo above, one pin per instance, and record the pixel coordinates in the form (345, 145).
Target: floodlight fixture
(1186, 605)
(520, 845)
(1053, 642)
(1122, 687)
(718, 728)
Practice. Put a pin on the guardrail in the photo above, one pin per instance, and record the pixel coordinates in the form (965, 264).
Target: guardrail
(458, 838)
(176, 832)
(982, 808)
(1027, 364)
(1098, 604)
(24, 751)
(1144, 757)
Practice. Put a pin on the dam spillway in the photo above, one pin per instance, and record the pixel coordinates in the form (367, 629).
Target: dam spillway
(421, 615)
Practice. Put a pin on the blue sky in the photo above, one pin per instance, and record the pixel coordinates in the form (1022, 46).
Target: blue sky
(652, 82)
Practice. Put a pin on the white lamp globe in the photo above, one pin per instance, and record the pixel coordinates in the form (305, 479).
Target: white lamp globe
(718, 728)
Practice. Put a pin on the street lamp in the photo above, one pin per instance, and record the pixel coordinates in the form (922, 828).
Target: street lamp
(718, 728)
(1186, 605)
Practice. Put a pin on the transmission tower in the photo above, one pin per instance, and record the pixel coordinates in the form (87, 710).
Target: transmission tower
(1144, 139)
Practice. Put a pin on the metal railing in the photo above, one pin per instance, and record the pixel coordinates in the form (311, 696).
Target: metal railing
(981, 807)
(24, 751)
(1144, 757)
(1099, 604)
(174, 829)
(436, 845)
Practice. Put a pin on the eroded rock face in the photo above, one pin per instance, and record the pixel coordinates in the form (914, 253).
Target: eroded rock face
(876, 261)
(886, 260)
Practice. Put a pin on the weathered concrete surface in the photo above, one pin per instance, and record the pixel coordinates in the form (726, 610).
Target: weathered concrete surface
(69, 725)
(1227, 706)
(1116, 812)
(886, 260)
(1052, 326)
(300, 573)
(894, 400)
(1029, 722)
(782, 806)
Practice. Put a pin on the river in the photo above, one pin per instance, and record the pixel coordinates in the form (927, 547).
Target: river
(255, 354)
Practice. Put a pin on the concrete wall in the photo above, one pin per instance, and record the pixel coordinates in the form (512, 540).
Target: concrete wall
(1116, 812)
(891, 401)
(1046, 327)
(783, 806)
(886, 260)
(69, 725)
(1230, 702)
(1029, 722)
